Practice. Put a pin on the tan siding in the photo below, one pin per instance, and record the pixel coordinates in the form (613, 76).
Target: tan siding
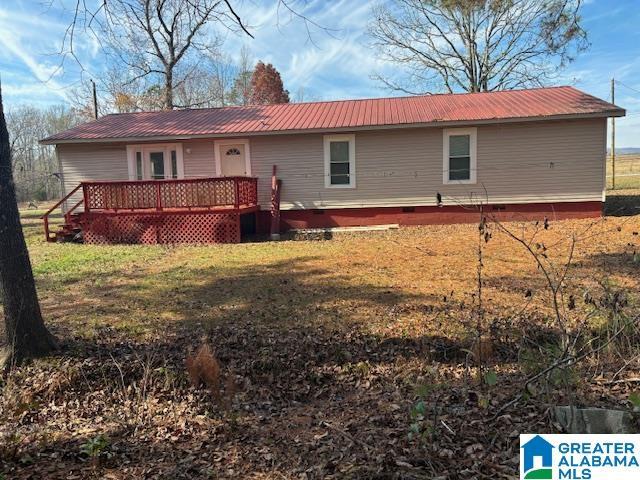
(84, 162)
(201, 161)
(528, 162)
(91, 162)
(545, 161)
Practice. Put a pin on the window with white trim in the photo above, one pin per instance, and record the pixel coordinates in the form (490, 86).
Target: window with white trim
(340, 161)
(138, 169)
(174, 164)
(460, 155)
(155, 161)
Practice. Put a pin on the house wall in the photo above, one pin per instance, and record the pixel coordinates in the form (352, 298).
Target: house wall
(517, 163)
(559, 161)
(103, 161)
(83, 162)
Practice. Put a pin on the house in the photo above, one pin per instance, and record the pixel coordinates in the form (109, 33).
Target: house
(207, 175)
(540, 449)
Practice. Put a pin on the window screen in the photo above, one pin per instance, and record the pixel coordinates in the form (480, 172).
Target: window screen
(174, 164)
(339, 163)
(459, 157)
(138, 165)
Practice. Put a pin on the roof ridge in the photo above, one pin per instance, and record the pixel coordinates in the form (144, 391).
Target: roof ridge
(316, 102)
(440, 109)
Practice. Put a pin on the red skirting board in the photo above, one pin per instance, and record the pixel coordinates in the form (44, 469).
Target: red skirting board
(352, 217)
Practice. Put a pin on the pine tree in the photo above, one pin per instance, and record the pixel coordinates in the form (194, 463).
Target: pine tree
(267, 86)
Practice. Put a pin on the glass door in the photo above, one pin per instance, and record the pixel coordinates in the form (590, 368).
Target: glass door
(156, 165)
(161, 163)
(155, 162)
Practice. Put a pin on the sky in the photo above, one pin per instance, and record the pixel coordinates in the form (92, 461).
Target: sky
(321, 64)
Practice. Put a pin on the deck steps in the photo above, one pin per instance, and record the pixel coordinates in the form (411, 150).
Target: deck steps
(68, 231)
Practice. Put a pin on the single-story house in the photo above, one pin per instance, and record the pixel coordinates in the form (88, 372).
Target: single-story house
(204, 175)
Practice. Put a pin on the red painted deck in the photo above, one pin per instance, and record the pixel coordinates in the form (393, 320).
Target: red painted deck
(202, 210)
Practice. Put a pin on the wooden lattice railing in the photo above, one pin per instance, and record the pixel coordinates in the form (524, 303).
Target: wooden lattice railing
(161, 195)
(229, 192)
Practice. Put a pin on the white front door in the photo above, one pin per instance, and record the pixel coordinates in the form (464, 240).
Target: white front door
(233, 161)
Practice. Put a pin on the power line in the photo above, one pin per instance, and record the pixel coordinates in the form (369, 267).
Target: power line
(627, 86)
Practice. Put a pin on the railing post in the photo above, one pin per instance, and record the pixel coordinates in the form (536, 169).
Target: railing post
(276, 185)
(158, 196)
(46, 227)
(236, 184)
(85, 196)
(255, 191)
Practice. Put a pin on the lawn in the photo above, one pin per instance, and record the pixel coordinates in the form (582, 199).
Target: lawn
(326, 349)
(627, 171)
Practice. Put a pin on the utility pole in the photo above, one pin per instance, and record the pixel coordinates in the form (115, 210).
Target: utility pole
(613, 137)
(95, 100)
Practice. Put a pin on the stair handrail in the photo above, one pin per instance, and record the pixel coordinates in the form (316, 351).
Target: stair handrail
(67, 215)
(45, 217)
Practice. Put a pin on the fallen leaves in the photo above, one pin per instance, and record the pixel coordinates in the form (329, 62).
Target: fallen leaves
(323, 345)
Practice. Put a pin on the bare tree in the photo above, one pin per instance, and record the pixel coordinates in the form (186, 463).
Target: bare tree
(154, 38)
(158, 45)
(223, 76)
(209, 83)
(160, 41)
(25, 333)
(475, 45)
(34, 165)
(241, 91)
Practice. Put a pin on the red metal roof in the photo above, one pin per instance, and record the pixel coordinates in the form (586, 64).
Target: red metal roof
(538, 103)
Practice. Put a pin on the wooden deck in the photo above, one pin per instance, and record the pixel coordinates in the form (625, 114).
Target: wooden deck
(199, 210)
(197, 193)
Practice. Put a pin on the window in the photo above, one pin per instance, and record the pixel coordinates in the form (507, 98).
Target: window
(459, 155)
(138, 165)
(339, 161)
(174, 164)
(233, 151)
(155, 161)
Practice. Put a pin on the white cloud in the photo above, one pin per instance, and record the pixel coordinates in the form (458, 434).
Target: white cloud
(330, 62)
(20, 36)
(42, 71)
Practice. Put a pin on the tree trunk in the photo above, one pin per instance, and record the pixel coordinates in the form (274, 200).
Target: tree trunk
(25, 333)
(168, 89)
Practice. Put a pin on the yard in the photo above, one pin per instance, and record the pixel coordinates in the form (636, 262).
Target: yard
(627, 171)
(325, 347)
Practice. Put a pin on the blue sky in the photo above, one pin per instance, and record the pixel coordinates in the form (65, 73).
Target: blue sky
(331, 66)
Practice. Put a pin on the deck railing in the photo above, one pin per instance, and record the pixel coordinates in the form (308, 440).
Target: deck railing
(161, 195)
(228, 192)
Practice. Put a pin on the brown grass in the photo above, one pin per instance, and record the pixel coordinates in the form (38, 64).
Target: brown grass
(627, 171)
(318, 333)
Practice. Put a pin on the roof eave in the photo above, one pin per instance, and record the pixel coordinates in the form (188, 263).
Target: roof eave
(606, 114)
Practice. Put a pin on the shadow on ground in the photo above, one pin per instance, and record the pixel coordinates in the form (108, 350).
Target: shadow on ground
(622, 204)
